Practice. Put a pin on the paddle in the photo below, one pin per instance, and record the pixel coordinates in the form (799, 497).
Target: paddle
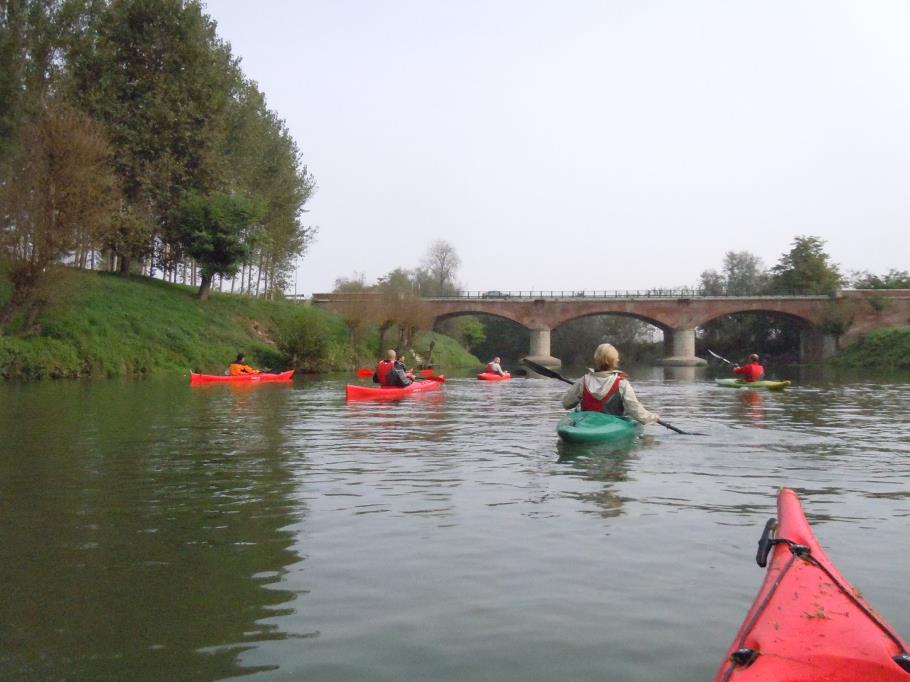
(364, 372)
(721, 357)
(545, 371)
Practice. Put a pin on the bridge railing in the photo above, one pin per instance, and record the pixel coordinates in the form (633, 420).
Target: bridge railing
(587, 293)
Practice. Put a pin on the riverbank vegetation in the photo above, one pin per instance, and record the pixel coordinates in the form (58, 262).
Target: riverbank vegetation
(887, 349)
(103, 325)
(132, 141)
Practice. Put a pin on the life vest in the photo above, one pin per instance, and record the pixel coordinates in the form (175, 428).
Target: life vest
(751, 372)
(491, 369)
(382, 371)
(611, 403)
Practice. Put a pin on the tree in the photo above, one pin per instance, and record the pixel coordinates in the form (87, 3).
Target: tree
(440, 266)
(893, 279)
(156, 75)
(212, 229)
(743, 274)
(806, 269)
(58, 183)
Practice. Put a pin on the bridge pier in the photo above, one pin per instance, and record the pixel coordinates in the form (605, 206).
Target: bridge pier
(679, 347)
(540, 351)
(816, 346)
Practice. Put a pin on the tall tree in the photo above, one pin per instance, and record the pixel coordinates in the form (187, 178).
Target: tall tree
(158, 77)
(806, 269)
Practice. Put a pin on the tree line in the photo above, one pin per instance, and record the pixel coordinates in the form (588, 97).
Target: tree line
(132, 141)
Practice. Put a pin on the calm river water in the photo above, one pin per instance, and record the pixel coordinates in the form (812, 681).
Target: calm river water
(150, 530)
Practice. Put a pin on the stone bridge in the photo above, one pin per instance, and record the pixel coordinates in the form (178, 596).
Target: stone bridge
(824, 321)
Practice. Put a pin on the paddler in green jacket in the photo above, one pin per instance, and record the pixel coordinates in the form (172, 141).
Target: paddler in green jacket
(607, 390)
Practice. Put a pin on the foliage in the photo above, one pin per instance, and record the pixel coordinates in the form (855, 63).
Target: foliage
(58, 185)
(893, 279)
(887, 348)
(502, 337)
(743, 274)
(212, 229)
(575, 341)
(312, 340)
(735, 336)
(805, 269)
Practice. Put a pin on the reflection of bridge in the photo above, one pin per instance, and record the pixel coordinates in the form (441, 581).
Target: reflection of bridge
(675, 312)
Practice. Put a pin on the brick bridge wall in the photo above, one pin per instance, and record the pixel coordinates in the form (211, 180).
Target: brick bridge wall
(859, 310)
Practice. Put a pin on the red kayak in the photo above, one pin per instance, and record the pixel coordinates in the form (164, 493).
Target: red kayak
(262, 376)
(808, 624)
(490, 376)
(356, 392)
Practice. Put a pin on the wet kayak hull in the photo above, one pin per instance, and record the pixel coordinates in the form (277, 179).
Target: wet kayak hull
(239, 379)
(489, 376)
(736, 383)
(807, 622)
(357, 392)
(595, 427)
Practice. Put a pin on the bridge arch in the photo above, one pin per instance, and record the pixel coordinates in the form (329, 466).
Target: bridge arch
(654, 322)
(483, 313)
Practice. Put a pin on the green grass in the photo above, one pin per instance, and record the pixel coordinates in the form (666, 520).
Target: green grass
(104, 325)
(887, 348)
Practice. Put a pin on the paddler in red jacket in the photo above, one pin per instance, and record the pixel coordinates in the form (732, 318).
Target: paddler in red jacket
(493, 367)
(384, 367)
(239, 366)
(751, 371)
(607, 390)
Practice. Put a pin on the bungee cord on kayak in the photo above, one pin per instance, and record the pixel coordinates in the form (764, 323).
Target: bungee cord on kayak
(809, 634)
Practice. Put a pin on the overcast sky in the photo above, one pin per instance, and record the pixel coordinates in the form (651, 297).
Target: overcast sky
(598, 145)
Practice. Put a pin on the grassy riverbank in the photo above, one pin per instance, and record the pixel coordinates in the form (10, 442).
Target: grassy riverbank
(106, 325)
(887, 348)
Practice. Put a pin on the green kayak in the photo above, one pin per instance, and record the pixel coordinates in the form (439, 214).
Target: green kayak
(595, 427)
(736, 383)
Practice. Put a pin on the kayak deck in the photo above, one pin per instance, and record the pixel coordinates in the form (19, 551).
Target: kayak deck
(580, 426)
(240, 378)
(357, 392)
(765, 383)
(807, 622)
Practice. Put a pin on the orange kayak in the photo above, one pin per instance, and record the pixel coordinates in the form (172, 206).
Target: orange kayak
(808, 624)
(490, 376)
(357, 392)
(262, 376)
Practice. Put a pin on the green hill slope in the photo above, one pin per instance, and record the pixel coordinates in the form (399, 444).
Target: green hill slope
(106, 325)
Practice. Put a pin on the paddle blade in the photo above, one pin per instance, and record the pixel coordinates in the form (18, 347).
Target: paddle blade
(364, 372)
(441, 378)
(545, 371)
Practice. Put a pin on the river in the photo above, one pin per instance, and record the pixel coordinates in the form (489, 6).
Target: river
(150, 530)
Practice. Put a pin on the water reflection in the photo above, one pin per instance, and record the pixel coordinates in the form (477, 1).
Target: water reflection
(153, 535)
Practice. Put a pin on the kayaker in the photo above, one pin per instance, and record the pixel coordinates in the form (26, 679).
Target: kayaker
(751, 371)
(493, 367)
(607, 390)
(399, 376)
(239, 366)
(384, 367)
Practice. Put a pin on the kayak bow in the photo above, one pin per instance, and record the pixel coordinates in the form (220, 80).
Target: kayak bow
(808, 624)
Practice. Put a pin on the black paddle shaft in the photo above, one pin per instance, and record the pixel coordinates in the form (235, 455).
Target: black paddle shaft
(547, 372)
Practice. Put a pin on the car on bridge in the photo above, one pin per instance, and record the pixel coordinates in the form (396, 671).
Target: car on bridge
(494, 294)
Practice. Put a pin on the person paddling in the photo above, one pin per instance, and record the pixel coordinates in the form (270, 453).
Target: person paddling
(383, 367)
(239, 367)
(493, 367)
(752, 371)
(607, 390)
